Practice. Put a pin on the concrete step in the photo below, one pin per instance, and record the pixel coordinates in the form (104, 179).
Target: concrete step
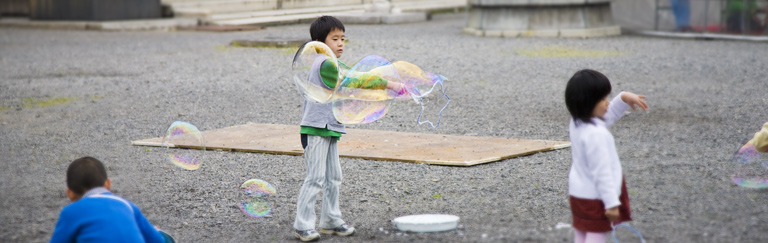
(266, 12)
(284, 12)
(281, 19)
(429, 5)
(169, 24)
(207, 8)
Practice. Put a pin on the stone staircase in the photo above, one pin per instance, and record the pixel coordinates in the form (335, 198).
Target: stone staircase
(271, 12)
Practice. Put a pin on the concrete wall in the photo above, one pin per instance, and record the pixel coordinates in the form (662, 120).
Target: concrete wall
(14, 7)
(539, 18)
(550, 18)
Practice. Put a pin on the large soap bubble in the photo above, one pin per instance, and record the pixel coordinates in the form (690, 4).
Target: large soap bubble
(311, 54)
(356, 102)
(359, 95)
(749, 167)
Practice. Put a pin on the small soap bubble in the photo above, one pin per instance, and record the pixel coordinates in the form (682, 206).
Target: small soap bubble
(185, 145)
(257, 208)
(749, 168)
(257, 187)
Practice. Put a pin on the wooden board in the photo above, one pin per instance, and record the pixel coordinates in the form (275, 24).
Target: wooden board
(372, 144)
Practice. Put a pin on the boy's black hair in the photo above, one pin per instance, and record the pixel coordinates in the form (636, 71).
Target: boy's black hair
(584, 90)
(84, 174)
(322, 26)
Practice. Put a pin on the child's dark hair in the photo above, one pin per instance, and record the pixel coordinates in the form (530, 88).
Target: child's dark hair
(84, 174)
(584, 90)
(322, 26)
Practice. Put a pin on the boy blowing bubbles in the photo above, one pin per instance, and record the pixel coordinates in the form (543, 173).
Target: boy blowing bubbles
(320, 132)
(97, 215)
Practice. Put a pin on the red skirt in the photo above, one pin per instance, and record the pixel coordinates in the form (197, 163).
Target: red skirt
(589, 214)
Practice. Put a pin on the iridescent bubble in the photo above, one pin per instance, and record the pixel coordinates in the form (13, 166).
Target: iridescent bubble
(257, 188)
(749, 167)
(185, 145)
(360, 95)
(257, 208)
(312, 54)
(357, 99)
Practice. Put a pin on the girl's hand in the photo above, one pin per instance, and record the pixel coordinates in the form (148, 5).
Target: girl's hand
(612, 213)
(634, 100)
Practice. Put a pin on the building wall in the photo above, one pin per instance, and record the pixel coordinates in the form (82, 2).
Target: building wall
(14, 7)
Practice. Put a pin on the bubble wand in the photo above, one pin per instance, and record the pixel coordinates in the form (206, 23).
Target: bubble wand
(614, 227)
(440, 114)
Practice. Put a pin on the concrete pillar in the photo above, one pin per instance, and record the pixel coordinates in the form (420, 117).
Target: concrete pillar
(541, 18)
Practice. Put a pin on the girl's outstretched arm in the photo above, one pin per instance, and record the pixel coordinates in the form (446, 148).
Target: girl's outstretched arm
(634, 100)
(620, 104)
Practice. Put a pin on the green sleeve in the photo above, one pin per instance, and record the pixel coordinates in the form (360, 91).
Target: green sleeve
(329, 73)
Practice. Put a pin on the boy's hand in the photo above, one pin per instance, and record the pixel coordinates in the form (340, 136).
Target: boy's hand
(399, 88)
(632, 100)
(612, 213)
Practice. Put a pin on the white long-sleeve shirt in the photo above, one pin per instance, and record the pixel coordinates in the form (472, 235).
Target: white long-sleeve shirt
(595, 167)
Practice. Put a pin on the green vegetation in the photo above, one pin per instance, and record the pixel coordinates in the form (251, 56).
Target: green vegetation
(42, 103)
(564, 51)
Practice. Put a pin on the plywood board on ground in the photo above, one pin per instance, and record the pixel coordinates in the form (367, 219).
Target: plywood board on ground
(371, 144)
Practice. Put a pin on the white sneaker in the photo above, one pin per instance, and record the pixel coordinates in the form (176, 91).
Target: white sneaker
(342, 230)
(306, 235)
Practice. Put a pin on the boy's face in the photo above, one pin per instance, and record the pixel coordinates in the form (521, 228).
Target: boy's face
(335, 40)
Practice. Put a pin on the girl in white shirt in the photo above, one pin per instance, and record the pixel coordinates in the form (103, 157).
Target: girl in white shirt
(598, 195)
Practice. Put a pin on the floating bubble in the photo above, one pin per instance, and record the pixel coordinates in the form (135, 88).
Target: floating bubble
(257, 188)
(184, 135)
(257, 208)
(360, 95)
(749, 167)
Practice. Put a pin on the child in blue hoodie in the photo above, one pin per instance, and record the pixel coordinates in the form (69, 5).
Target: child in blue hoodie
(97, 215)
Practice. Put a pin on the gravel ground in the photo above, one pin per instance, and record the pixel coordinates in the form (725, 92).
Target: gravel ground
(68, 94)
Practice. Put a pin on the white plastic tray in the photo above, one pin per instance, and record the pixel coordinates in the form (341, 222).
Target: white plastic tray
(426, 222)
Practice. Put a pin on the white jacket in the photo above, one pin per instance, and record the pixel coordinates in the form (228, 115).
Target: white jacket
(595, 167)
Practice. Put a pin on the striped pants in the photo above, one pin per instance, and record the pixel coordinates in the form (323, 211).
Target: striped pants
(323, 173)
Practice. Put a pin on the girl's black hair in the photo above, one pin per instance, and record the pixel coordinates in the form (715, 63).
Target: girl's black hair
(322, 26)
(584, 90)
